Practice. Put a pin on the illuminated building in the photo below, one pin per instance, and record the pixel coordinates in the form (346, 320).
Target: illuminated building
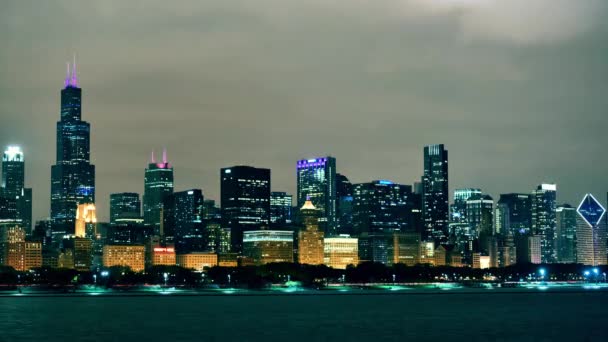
(228, 260)
(218, 238)
(427, 252)
(514, 214)
(280, 208)
(341, 251)
(198, 260)
(591, 232)
(458, 211)
(310, 239)
(534, 249)
(15, 196)
(481, 261)
(435, 195)
(245, 201)
(316, 178)
(124, 206)
(376, 247)
(72, 176)
(83, 253)
(565, 223)
(158, 183)
(267, 246)
(406, 248)
(132, 256)
(507, 252)
(480, 214)
(86, 220)
(543, 220)
(163, 256)
(183, 219)
(381, 206)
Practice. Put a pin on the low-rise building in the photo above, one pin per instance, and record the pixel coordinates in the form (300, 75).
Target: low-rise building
(132, 256)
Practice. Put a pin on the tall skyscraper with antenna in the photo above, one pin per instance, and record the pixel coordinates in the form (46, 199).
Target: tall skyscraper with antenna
(72, 176)
(158, 183)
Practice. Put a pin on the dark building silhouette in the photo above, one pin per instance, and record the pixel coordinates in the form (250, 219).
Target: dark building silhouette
(344, 210)
(183, 220)
(16, 198)
(245, 201)
(158, 183)
(514, 214)
(316, 178)
(435, 194)
(381, 206)
(543, 220)
(72, 176)
(280, 208)
(124, 206)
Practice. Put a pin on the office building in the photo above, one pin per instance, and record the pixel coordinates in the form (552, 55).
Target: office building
(268, 246)
(183, 220)
(197, 261)
(86, 221)
(381, 206)
(158, 183)
(72, 176)
(459, 207)
(406, 248)
(514, 214)
(310, 239)
(565, 222)
(316, 179)
(245, 201)
(83, 253)
(591, 232)
(376, 247)
(280, 208)
(132, 256)
(543, 220)
(124, 206)
(344, 205)
(480, 214)
(341, 251)
(164, 256)
(15, 199)
(435, 194)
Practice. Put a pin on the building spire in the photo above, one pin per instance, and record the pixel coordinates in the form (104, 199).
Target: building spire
(67, 75)
(164, 155)
(152, 160)
(74, 76)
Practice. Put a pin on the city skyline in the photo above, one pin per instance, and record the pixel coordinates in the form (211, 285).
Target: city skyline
(379, 136)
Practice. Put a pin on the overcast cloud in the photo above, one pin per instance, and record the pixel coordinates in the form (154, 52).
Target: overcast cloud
(516, 89)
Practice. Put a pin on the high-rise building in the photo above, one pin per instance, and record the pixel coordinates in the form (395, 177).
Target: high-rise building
(124, 205)
(435, 195)
(480, 214)
(514, 214)
(406, 248)
(591, 232)
(158, 183)
(86, 220)
(72, 176)
(83, 253)
(316, 178)
(13, 191)
(183, 220)
(280, 208)
(543, 219)
(268, 246)
(341, 251)
(310, 239)
(344, 205)
(565, 218)
(245, 201)
(458, 210)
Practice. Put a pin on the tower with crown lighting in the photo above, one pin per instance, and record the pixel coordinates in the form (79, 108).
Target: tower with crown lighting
(73, 175)
(158, 183)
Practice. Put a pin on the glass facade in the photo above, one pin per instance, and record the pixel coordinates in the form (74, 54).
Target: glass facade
(591, 232)
(543, 220)
(280, 208)
(124, 205)
(316, 179)
(183, 219)
(158, 183)
(435, 194)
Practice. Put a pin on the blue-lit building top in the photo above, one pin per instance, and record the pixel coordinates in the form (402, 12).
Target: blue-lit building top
(591, 232)
(316, 179)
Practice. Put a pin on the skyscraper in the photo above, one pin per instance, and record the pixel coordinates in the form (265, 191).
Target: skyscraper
(514, 214)
(543, 219)
(344, 205)
(72, 176)
(381, 206)
(591, 232)
(310, 239)
(15, 195)
(124, 205)
(459, 208)
(183, 219)
(280, 208)
(158, 183)
(435, 195)
(316, 179)
(565, 218)
(245, 201)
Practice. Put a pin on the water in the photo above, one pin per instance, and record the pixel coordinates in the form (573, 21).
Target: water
(554, 316)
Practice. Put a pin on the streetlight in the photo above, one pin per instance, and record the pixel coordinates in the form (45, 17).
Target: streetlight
(95, 279)
(166, 276)
(542, 272)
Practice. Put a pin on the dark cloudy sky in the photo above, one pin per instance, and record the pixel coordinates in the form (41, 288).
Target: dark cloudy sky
(517, 89)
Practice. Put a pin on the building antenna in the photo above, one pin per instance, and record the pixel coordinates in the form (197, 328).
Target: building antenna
(164, 155)
(152, 158)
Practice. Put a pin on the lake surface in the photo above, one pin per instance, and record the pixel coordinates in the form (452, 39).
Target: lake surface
(483, 316)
